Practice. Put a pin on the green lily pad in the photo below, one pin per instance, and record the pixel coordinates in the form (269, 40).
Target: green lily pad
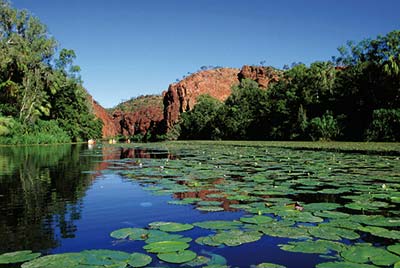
(367, 253)
(343, 264)
(70, 260)
(258, 219)
(232, 238)
(328, 232)
(287, 232)
(269, 265)
(166, 246)
(90, 258)
(158, 236)
(331, 214)
(218, 225)
(174, 227)
(209, 203)
(177, 257)
(18, 256)
(198, 261)
(139, 260)
(318, 246)
(381, 232)
(132, 233)
(394, 248)
(210, 208)
(321, 206)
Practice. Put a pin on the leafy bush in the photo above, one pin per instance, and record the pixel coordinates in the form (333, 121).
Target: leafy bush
(385, 125)
(42, 132)
(324, 128)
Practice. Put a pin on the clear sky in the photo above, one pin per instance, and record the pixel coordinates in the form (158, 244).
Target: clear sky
(128, 48)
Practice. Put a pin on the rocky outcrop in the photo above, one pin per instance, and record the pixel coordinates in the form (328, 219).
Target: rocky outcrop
(261, 74)
(182, 96)
(158, 114)
(139, 122)
(110, 129)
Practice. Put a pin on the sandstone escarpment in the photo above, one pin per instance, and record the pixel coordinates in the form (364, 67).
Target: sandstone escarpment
(263, 75)
(109, 127)
(139, 115)
(182, 96)
(157, 114)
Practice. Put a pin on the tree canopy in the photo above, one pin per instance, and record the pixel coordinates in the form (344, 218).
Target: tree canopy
(38, 80)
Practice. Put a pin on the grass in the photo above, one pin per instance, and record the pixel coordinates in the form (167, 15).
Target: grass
(391, 148)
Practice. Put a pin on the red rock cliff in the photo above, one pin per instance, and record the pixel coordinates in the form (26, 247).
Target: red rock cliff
(182, 96)
(109, 127)
(139, 115)
(262, 75)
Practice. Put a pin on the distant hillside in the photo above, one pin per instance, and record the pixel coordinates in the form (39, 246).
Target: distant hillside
(139, 103)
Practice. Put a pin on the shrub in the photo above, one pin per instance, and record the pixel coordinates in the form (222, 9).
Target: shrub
(385, 125)
(324, 128)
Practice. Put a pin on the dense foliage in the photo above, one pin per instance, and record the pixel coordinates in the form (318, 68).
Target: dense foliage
(38, 84)
(356, 96)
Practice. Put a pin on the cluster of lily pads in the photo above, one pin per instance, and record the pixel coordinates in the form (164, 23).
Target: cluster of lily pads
(343, 207)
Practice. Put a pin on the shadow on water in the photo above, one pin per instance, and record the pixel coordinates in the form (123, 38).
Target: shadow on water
(40, 192)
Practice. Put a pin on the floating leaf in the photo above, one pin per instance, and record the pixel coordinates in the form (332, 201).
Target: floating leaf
(177, 257)
(394, 248)
(258, 219)
(198, 261)
(133, 233)
(232, 238)
(381, 232)
(175, 227)
(158, 236)
(18, 256)
(344, 264)
(318, 246)
(321, 206)
(269, 265)
(139, 260)
(210, 208)
(166, 246)
(218, 225)
(366, 253)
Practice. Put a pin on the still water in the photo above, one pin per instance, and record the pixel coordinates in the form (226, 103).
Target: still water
(69, 198)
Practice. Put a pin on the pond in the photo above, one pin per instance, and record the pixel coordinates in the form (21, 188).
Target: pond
(197, 205)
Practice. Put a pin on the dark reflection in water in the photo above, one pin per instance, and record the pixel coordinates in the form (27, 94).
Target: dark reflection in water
(141, 153)
(42, 187)
(40, 192)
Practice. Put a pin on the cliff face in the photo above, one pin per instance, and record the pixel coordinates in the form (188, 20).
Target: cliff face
(138, 115)
(262, 75)
(182, 96)
(109, 127)
(158, 114)
(139, 122)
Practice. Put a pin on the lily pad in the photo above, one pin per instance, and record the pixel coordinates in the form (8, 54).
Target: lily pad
(367, 253)
(166, 246)
(132, 233)
(232, 238)
(210, 208)
(218, 225)
(318, 246)
(394, 248)
(269, 265)
(139, 260)
(18, 256)
(343, 264)
(175, 227)
(381, 232)
(177, 257)
(258, 219)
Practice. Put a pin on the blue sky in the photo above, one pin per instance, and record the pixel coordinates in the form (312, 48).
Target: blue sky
(128, 48)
